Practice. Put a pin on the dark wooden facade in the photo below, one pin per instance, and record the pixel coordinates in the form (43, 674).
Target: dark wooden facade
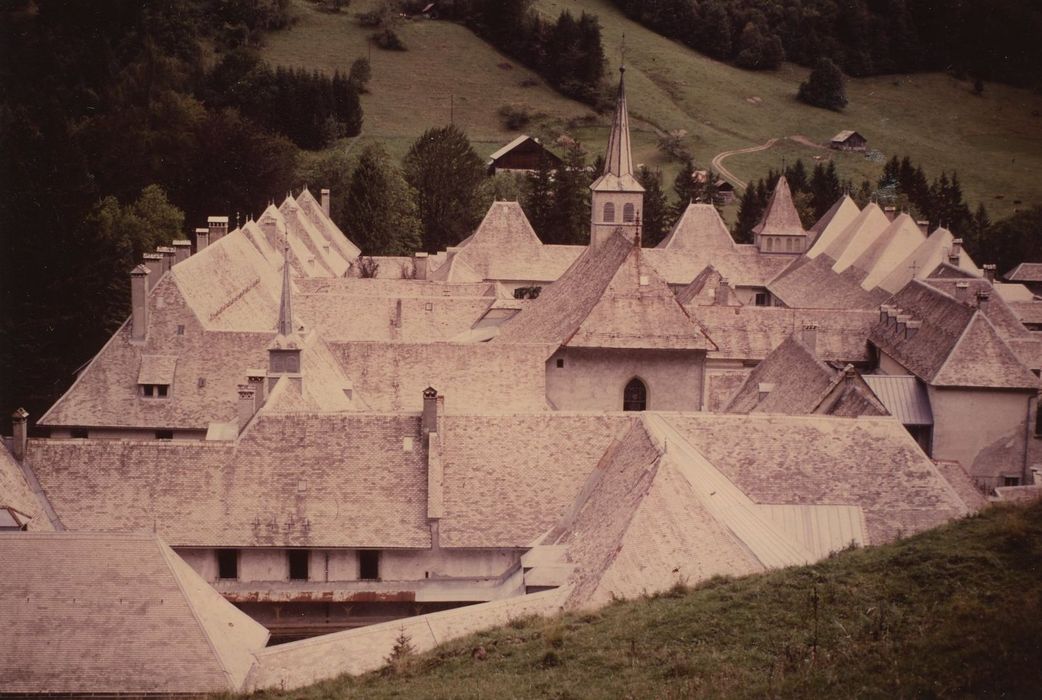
(524, 154)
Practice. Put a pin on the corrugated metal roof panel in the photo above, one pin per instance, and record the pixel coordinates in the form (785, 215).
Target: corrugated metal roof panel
(904, 396)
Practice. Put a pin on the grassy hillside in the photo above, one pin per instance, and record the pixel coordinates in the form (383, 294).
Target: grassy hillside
(952, 612)
(994, 141)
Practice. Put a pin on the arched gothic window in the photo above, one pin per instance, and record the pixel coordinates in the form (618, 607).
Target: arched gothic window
(768, 244)
(609, 212)
(627, 214)
(788, 245)
(635, 396)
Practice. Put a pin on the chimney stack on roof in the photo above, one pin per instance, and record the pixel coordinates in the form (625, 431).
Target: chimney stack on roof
(924, 226)
(420, 263)
(884, 311)
(432, 404)
(255, 379)
(154, 263)
(890, 212)
(202, 239)
(983, 296)
(723, 293)
(20, 430)
(902, 323)
(247, 404)
(763, 390)
(912, 327)
(325, 200)
(810, 337)
(168, 254)
(182, 250)
(218, 226)
(989, 272)
(139, 302)
(955, 254)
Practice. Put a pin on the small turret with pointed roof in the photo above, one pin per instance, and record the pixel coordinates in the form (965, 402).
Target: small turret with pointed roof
(284, 351)
(780, 230)
(617, 197)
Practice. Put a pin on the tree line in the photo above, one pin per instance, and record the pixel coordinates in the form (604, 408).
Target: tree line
(986, 40)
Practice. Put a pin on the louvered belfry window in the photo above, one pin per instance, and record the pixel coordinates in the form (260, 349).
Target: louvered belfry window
(635, 396)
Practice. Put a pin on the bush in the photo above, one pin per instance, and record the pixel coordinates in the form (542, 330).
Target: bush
(514, 118)
(388, 39)
(824, 87)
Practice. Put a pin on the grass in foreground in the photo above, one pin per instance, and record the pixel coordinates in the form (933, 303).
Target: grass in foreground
(952, 612)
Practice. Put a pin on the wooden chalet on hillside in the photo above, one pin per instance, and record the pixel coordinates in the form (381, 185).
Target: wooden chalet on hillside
(848, 141)
(523, 153)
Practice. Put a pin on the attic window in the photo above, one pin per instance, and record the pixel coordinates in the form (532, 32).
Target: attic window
(1011, 481)
(78, 433)
(298, 564)
(761, 299)
(428, 306)
(155, 391)
(180, 329)
(628, 214)
(164, 435)
(635, 396)
(155, 375)
(228, 564)
(369, 564)
(560, 362)
(609, 213)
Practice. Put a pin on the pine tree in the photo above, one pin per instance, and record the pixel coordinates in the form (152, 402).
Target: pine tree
(825, 188)
(750, 211)
(381, 207)
(654, 217)
(571, 200)
(538, 200)
(684, 188)
(824, 87)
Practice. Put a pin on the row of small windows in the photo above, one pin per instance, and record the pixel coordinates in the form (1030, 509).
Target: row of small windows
(299, 561)
(629, 214)
(774, 245)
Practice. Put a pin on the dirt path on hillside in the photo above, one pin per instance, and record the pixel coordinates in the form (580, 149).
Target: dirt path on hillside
(718, 162)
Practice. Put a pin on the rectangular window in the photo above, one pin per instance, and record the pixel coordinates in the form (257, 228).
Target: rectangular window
(180, 330)
(298, 564)
(79, 433)
(1011, 481)
(228, 564)
(369, 565)
(761, 299)
(154, 391)
(560, 362)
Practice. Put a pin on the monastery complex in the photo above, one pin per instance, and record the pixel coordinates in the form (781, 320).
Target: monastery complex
(278, 465)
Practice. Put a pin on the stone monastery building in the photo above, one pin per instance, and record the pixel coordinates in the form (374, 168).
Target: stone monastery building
(273, 447)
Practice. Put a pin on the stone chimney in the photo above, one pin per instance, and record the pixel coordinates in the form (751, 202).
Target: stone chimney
(989, 272)
(810, 336)
(723, 293)
(139, 302)
(961, 290)
(168, 254)
(419, 263)
(255, 379)
(218, 226)
(202, 239)
(912, 327)
(763, 390)
(902, 323)
(154, 263)
(924, 226)
(325, 200)
(884, 313)
(247, 404)
(20, 428)
(890, 212)
(892, 313)
(956, 252)
(983, 296)
(431, 404)
(182, 250)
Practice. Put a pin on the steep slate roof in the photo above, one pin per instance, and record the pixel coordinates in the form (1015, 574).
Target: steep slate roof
(456, 270)
(814, 284)
(699, 228)
(925, 259)
(857, 236)
(831, 224)
(1025, 272)
(315, 240)
(73, 625)
(745, 266)
(610, 297)
(753, 332)
(780, 218)
(312, 209)
(17, 494)
(795, 381)
(955, 346)
(703, 290)
(618, 158)
(900, 239)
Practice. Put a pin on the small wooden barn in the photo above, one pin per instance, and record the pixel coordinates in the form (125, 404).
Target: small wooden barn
(848, 141)
(523, 153)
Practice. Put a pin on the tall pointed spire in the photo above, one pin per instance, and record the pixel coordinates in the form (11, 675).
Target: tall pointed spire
(285, 304)
(618, 160)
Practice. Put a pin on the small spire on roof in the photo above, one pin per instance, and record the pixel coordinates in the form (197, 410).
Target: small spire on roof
(285, 304)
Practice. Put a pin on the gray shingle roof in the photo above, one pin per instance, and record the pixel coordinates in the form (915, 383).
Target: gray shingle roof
(780, 218)
(814, 284)
(73, 625)
(1025, 272)
(699, 228)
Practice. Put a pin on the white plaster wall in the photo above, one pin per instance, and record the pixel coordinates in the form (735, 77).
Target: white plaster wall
(203, 561)
(263, 565)
(984, 430)
(420, 564)
(593, 380)
(888, 365)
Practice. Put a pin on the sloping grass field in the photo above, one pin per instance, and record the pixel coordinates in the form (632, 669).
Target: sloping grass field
(954, 612)
(994, 141)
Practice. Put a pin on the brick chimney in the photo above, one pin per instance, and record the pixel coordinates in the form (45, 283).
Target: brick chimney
(255, 379)
(810, 336)
(956, 252)
(20, 430)
(154, 263)
(989, 272)
(202, 239)
(419, 263)
(218, 226)
(139, 302)
(325, 200)
(168, 254)
(431, 405)
(247, 404)
(182, 250)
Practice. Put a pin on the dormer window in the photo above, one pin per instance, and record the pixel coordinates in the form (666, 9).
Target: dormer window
(155, 391)
(628, 215)
(609, 213)
(156, 376)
